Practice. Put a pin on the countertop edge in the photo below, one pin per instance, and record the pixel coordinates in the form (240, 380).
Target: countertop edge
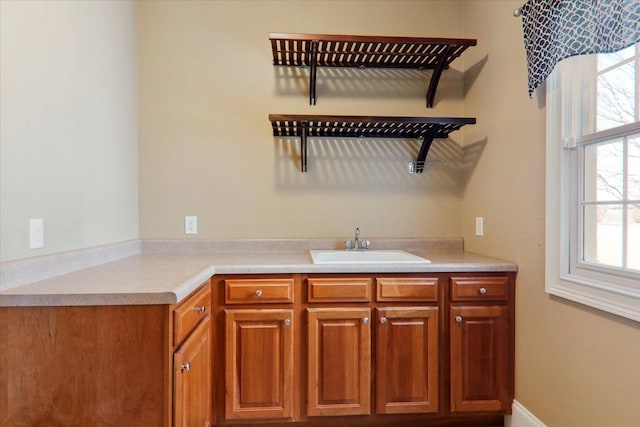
(148, 292)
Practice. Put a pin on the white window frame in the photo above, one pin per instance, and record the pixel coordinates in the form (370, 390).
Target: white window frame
(613, 290)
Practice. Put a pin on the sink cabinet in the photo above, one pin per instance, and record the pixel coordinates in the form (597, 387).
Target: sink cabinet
(259, 364)
(407, 360)
(364, 349)
(339, 361)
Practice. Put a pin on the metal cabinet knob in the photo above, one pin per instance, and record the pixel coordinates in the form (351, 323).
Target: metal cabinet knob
(258, 293)
(200, 309)
(483, 290)
(383, 320)
(186, 367)
(459, 319)
(365, 320)
(287, 322)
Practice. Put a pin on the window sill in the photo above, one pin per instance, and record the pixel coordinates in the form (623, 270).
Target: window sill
(619, 300)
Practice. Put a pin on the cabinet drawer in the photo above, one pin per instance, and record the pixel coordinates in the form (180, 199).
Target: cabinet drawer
(479, 288)
(339, 289)
(190, 312)
(407, 289)
(258, 291)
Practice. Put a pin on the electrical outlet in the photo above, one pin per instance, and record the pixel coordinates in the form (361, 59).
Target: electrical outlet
(479, 226)
(36, 233)
(190, 225)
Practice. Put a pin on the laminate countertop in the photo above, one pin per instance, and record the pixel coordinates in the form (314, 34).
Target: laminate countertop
(166, 278)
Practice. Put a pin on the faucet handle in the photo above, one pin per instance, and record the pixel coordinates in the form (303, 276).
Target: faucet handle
(365, 244)
(347, 244)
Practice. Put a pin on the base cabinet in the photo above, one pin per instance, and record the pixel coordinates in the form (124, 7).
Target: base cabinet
(482, 340)
(192, 379)
(339, 361)
(364, 350)
(412, 349)
(479, 352)
(107, 365)
(259, 364)
(407, 360)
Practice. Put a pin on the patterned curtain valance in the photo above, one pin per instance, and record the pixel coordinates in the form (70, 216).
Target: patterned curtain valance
(558, 29)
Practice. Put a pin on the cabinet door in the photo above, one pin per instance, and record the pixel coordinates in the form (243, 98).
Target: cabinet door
(192, 379)
(339, 364)
(479, 358)
(259, 364)
(407, 360)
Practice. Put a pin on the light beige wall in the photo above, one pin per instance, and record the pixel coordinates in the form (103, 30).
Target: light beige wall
(574, 366)
(68, 124)
(207, 86)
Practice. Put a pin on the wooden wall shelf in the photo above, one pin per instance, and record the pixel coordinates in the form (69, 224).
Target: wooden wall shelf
(325, 50)
(425, 128)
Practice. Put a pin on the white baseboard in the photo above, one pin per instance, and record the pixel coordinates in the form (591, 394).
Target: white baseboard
(521, 417)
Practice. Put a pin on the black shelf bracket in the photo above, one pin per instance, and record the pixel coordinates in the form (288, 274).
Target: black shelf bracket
(304, 126)
(437, 73)
(427, 140)
(313, 72)
(425, 128)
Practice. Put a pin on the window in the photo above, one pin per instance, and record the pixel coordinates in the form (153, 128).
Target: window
(593, 181)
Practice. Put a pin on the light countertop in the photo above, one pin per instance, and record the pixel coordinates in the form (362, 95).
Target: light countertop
(166, 278)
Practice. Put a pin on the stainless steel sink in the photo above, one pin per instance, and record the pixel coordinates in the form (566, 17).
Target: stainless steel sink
(365, 257)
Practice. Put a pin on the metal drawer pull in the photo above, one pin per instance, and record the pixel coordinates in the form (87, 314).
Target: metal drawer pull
(186, 367)
(258, 293)
(483, 291)
(459, 319)
(383, 320)
(200, 309)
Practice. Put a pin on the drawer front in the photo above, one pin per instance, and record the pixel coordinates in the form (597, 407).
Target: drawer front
(339, 289)
(258, 291)
(190, 312)
(479, 288)
(407, 289)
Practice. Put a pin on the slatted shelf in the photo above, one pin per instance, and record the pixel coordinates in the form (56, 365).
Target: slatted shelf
(425, 128)
(326, 50)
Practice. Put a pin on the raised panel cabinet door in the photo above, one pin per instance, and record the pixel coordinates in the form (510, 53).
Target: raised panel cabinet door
(259, 364)
(339, 361)
(192, 379)
(479, 358)
(407, 360)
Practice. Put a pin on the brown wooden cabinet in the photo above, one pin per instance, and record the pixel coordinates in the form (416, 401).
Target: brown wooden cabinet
(339, 361)
(429, 349)
(192, 379)
(106, 365)
(259, 364)
(407, 360)
(478, 358)
(481, 344)
(192, 360)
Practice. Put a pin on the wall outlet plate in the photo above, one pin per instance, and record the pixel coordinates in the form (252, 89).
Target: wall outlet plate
(479, 226)
(190, 225)
(36, 233)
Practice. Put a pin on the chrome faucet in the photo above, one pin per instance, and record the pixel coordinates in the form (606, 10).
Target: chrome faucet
(357, 245)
